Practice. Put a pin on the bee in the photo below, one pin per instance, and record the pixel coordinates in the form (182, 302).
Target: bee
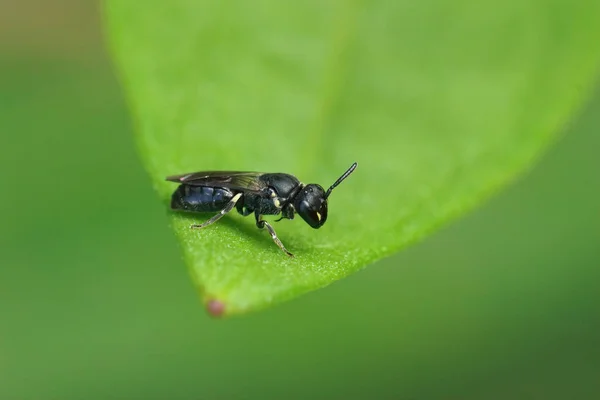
(255, 193)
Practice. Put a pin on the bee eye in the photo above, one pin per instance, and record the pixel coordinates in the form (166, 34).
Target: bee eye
(314, 216)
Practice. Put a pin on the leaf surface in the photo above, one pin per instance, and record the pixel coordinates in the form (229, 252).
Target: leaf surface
(440, 103)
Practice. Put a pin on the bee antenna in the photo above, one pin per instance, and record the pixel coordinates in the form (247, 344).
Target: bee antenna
(340, 179)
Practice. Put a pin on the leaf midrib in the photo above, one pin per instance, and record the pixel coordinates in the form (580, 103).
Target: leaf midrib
(334, 73)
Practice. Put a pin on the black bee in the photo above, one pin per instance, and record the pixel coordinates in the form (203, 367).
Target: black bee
(253, 192)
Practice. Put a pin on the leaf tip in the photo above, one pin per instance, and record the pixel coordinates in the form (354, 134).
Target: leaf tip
(215, 308)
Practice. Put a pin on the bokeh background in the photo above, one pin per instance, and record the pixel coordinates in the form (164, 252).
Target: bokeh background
(95, 302)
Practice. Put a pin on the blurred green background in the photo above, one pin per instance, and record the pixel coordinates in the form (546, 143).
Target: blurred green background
(97, 304)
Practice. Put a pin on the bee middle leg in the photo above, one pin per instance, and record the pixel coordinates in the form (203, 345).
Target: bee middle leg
(260, 223)
(217, 217)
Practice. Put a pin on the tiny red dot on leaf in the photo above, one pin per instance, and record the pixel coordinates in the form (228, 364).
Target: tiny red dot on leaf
(215, 308)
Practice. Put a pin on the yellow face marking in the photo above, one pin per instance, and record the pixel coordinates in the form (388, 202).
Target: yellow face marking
(319, 216)
(276, 202)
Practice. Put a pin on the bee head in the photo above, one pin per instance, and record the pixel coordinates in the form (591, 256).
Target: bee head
(311, 205)
(311, 202)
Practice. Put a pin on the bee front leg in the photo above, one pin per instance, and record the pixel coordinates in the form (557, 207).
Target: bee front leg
(260, 223)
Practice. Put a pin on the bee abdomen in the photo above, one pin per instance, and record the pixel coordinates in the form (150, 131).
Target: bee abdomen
(200, 198)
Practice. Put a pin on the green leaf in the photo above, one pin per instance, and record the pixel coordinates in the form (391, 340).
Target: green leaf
(441, 103)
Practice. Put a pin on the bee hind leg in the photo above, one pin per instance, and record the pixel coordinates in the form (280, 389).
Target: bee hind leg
(217, 217)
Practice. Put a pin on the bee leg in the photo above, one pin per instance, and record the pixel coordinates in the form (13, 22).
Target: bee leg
(217, 217)
(264, 224)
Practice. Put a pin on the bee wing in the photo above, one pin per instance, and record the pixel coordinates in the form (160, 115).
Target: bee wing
(246, 181)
